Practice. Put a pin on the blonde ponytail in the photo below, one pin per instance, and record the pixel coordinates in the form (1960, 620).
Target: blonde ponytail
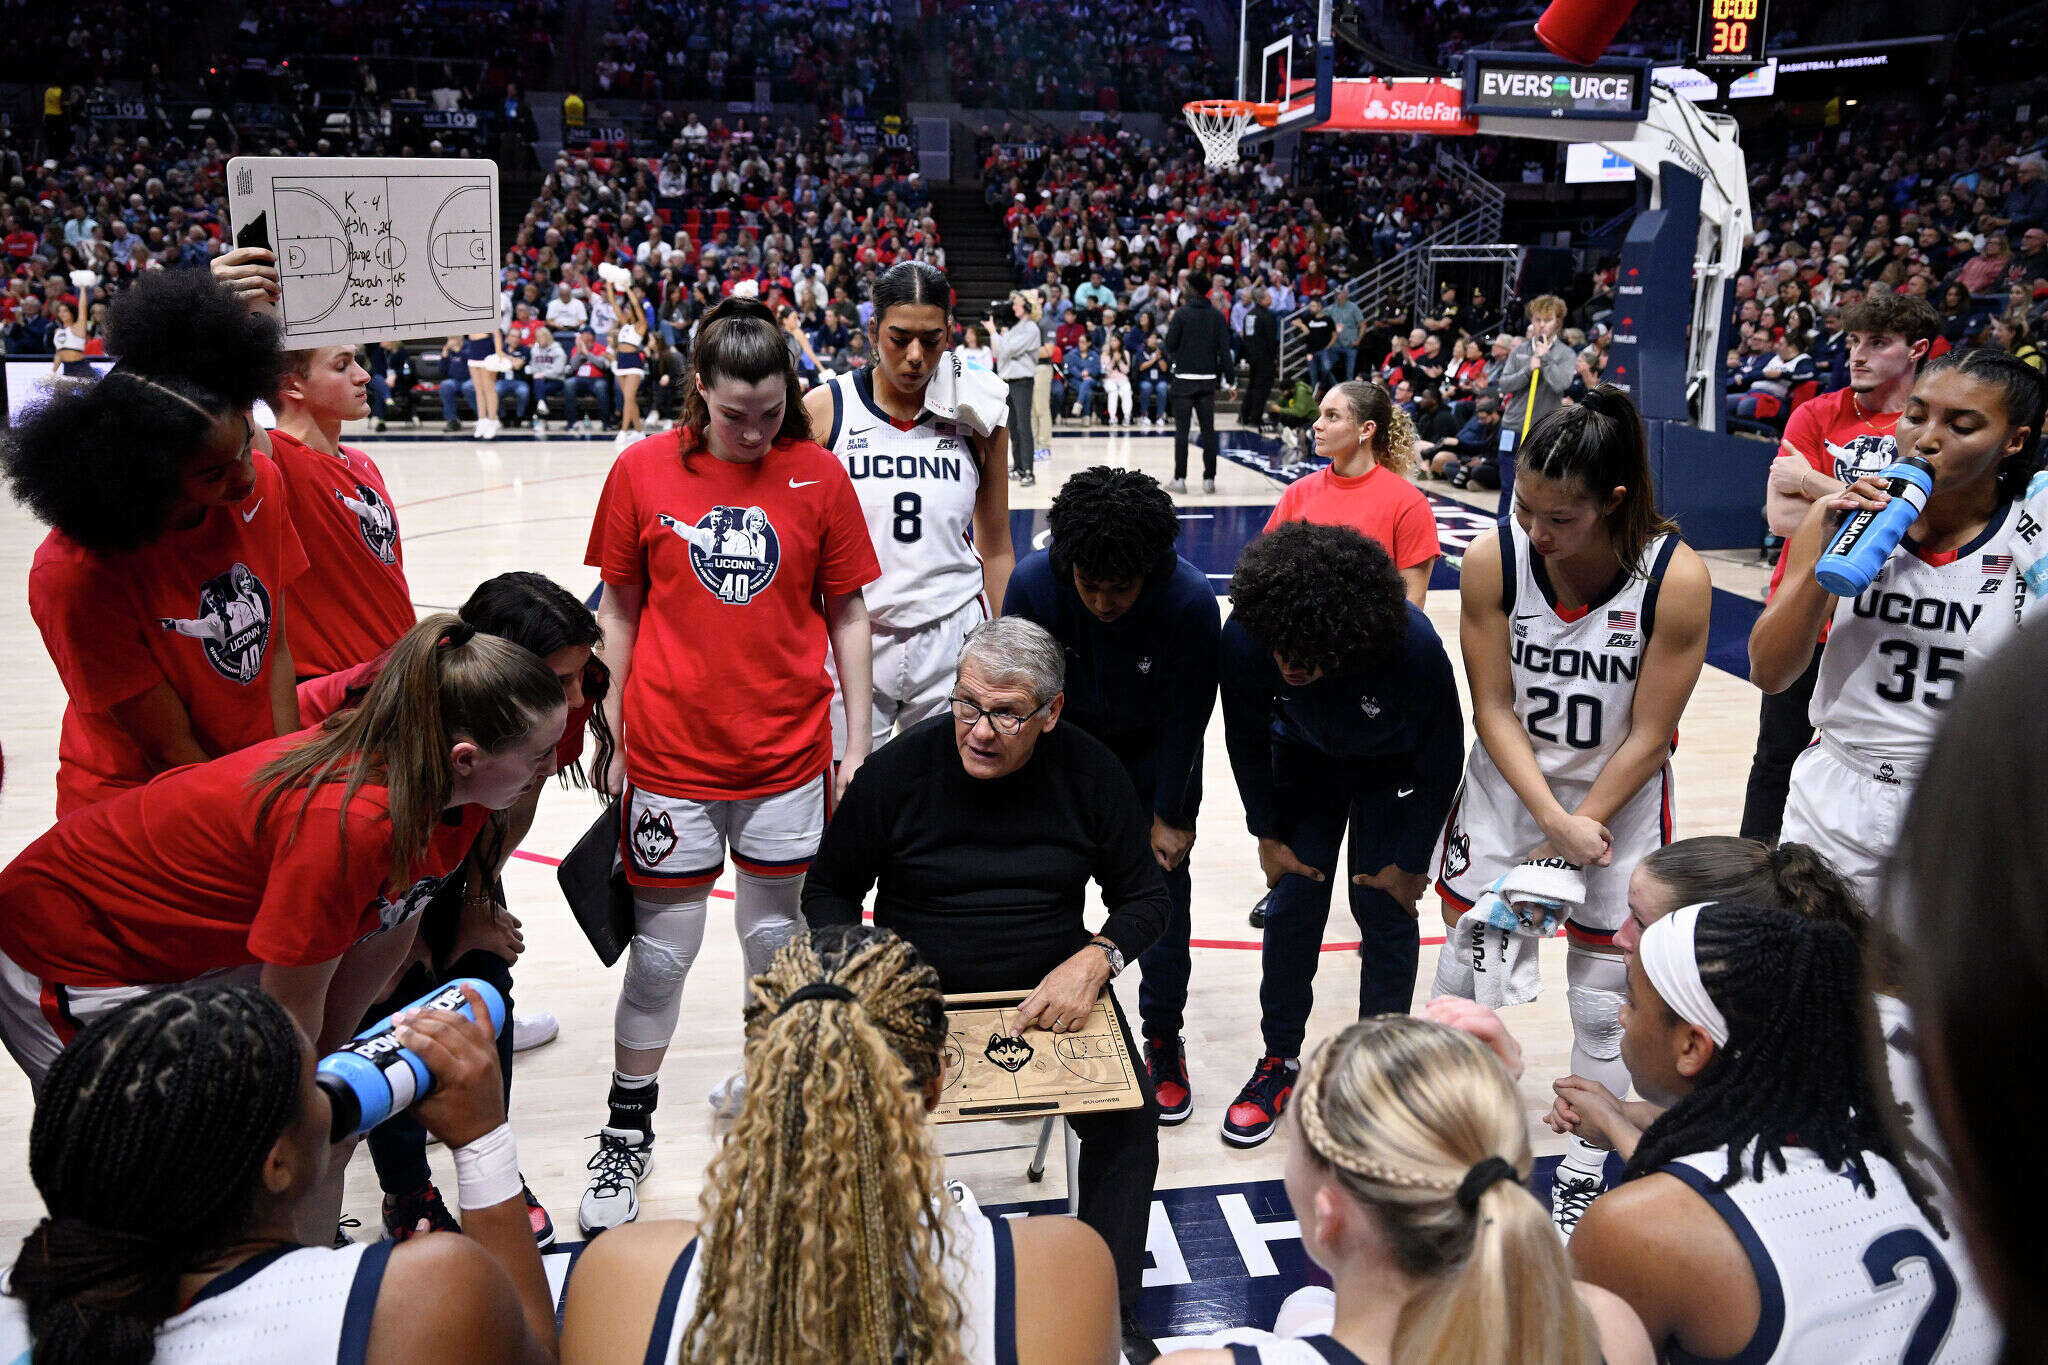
(1419, 1124)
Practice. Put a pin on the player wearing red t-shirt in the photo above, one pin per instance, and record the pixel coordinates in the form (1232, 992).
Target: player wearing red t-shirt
(226, 865)
(1370, 445)
(160, 589)
(732, 549)
(1830, 442)
(353, 602)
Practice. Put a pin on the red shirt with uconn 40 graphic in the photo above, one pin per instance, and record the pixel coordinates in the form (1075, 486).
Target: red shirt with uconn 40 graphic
(727, 697)
(198, 609)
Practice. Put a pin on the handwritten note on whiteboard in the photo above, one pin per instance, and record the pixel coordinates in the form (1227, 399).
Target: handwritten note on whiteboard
(373, 247)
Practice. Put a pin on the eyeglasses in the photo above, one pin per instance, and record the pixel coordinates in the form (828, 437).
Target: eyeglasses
(1002, 722)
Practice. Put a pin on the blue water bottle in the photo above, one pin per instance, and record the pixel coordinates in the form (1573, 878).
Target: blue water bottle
(375, 1076)
(1864, 541)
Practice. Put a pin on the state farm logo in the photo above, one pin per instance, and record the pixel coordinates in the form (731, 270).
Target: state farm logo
(1414, 111)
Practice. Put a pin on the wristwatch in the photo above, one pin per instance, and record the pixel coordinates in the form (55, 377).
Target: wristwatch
(1113, 953)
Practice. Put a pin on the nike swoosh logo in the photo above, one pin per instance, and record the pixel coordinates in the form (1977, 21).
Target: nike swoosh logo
(1528, 616)
(1404, 793)
(860, 431)
(805, 484)
(250, 515)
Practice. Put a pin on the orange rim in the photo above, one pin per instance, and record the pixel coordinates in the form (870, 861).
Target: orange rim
(1265, 115)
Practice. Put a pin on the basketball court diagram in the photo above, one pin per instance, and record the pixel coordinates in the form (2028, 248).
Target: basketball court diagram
(373, 247)
(990, 1074)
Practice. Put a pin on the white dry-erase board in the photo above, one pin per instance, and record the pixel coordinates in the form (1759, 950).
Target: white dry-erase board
(372, 247)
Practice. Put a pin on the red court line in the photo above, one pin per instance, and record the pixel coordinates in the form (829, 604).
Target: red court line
(1243, 945)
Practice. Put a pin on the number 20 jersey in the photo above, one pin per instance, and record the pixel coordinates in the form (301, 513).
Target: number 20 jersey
(1895, 653)
(1575, 680)
(917, 488)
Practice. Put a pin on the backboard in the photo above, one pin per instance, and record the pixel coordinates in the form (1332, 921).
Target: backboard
(1287, 58)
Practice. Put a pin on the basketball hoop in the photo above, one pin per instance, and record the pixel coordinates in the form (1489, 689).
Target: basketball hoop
(1218, 124)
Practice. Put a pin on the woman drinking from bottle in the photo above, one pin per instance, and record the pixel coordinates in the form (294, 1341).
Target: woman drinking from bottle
(1895, 653)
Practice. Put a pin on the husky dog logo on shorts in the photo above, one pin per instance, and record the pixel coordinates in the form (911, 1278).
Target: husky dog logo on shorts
(233, 623)
(1011, 1054)
(375, 519)
(734, 550)
(1458, 854)
(654, 837)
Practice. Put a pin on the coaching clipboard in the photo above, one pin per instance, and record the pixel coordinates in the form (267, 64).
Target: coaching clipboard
(372, 247)
(990, 1075)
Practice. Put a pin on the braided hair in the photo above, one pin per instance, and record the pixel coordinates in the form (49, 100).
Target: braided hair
(819, 1238)
(1794, 1072)
(148, 1142)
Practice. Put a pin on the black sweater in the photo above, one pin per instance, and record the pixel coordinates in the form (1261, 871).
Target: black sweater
(987, 876)
(1401, 716)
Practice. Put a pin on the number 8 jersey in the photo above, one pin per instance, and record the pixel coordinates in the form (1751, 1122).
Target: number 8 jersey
(1575, 677)
(1894, 656)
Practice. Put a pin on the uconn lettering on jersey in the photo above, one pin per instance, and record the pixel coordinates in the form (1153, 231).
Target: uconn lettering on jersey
(1574, 663)
(1937, 615)
(942, 467)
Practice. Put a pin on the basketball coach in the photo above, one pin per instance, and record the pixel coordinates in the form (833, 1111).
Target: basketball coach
(979, 832)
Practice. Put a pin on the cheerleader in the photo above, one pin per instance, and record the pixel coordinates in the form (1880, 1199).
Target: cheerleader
(1584, 627)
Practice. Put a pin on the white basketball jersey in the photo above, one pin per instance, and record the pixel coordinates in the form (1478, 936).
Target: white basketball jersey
(1845, 1276)
(917, 489)
(1248, 1346)
(979, 1262)
(294, 1306)
(1895, 654)
(1575, 681)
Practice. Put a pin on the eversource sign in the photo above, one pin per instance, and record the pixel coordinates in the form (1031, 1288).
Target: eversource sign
(1518, 87)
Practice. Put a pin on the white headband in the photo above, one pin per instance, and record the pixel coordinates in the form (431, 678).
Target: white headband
(1669, 960)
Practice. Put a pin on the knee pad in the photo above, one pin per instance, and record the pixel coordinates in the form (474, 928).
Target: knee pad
(1596, 988)
(655, 972)
(766, 913)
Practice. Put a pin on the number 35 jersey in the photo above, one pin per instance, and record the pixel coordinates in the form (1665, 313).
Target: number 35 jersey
(917, 487)
(1575, 672)
(1895, 653)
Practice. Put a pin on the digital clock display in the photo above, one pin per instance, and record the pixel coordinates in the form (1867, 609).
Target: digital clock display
(1731, 32)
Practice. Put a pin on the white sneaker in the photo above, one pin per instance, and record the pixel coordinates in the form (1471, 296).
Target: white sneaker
(540, 409)
(1176, 485)
(1569, 1198)
(619, 1165)
(491, 430)
(1208, 485)
(530, 1031)
(728, 1095)
(476, 433)
(624, 439)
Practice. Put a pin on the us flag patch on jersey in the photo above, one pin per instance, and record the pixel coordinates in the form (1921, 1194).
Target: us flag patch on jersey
(1626, 620)
(1997, 564)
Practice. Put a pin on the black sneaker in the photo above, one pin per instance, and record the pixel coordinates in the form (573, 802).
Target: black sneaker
(1168, 1067)
(1139, 1348)
(451, 426)
(1258, 916)
(1253, 1114)
(407, 1215)
(537, 1218)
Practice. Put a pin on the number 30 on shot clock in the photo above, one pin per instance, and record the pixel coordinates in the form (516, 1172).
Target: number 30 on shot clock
(1731, 32)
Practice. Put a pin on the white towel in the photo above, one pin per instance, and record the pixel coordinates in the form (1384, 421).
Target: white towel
(959, 392)
(1491, 956)
(615, 275)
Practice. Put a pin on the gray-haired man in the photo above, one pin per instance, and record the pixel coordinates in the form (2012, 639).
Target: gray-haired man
(978, 832)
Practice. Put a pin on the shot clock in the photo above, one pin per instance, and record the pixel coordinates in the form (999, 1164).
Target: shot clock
(1731, 33)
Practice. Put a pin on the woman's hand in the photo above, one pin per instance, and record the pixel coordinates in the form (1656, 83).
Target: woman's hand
(468, 1098)
(1576, 839)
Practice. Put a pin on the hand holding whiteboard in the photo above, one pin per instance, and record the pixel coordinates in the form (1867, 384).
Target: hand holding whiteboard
(372, 247)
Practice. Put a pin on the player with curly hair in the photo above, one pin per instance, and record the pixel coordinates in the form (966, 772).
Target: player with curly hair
(1584, 627)
(830, 1232)
(1340, 711)
(1370, 444)
(1140, 628)
(160, 588)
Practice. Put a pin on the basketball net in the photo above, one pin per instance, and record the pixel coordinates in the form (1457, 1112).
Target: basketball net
(1219, 124)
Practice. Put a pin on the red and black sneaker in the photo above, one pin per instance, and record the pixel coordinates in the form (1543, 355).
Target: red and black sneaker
(1169, 1069)
(1250, 1119)
(407, 1215)
(537, 1217)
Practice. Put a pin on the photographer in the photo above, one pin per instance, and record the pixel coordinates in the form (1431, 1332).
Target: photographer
(1016, 350)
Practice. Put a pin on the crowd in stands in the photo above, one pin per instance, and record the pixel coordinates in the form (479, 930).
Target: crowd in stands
(843, 55)
(85, 44)
(1953, 209)
(1106, 55)
(513, 40)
